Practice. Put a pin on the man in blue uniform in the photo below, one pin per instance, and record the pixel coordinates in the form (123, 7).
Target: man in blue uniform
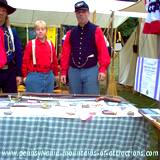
(85, 56)
(10, 74)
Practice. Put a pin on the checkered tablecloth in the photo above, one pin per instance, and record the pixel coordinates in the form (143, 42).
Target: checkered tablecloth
(47, 138)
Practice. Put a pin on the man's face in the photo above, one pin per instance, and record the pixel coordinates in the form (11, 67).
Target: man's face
(82, 17)
(3, 15)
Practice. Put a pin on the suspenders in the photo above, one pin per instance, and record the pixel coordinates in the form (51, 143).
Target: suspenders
(34, 54)
(50, 44)
(12, 37)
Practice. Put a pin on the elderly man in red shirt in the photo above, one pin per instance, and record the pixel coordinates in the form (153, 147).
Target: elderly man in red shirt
(84, 57)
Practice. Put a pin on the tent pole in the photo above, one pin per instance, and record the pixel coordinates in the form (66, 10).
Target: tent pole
(57, 41)
(109, 35)
(109, 38)
(60, 49)
(60, 41)
(94, 17)
(112, 89)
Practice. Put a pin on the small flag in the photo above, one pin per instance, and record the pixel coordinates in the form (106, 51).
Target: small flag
(152, 22)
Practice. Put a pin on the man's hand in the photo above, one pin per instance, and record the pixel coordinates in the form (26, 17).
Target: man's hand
(101, 76)
(19, 80)
(63, 79)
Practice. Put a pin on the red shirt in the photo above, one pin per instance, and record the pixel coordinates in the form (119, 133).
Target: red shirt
(43, 58)
(3, 56)
(102, 51)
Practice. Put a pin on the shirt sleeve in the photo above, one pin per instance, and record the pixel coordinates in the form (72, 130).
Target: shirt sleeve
(26, 58)
(65, 56)
(103, 54)
(3, 57)
(55, 61)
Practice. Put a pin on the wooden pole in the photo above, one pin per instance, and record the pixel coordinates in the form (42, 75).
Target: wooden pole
(60, 41)
(60, 51)
(112, 89)
(109, 35)
(94, 17)
(56, 41)
(109, 29)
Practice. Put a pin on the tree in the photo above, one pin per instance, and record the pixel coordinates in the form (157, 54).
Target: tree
(128, 27)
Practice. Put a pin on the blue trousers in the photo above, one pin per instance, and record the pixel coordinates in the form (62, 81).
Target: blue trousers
(83, 81)
(40, 82)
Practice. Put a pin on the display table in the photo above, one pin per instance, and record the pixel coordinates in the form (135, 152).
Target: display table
(68, 138)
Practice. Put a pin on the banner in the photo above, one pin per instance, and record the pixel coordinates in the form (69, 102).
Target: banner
(147, 79)
(51, 34)
(152, 22)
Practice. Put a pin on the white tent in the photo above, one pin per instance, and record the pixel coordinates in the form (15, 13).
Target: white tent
(60, 12)
(148, 46)
(136, 7)
(127, 62)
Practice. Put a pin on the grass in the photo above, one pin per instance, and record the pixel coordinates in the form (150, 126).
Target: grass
(138, 99)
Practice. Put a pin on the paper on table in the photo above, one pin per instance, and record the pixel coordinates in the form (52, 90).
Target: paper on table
(72, 109)
(37, 112)
(122, 110)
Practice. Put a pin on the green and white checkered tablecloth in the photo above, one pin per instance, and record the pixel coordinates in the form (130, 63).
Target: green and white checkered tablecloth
(47, 138)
